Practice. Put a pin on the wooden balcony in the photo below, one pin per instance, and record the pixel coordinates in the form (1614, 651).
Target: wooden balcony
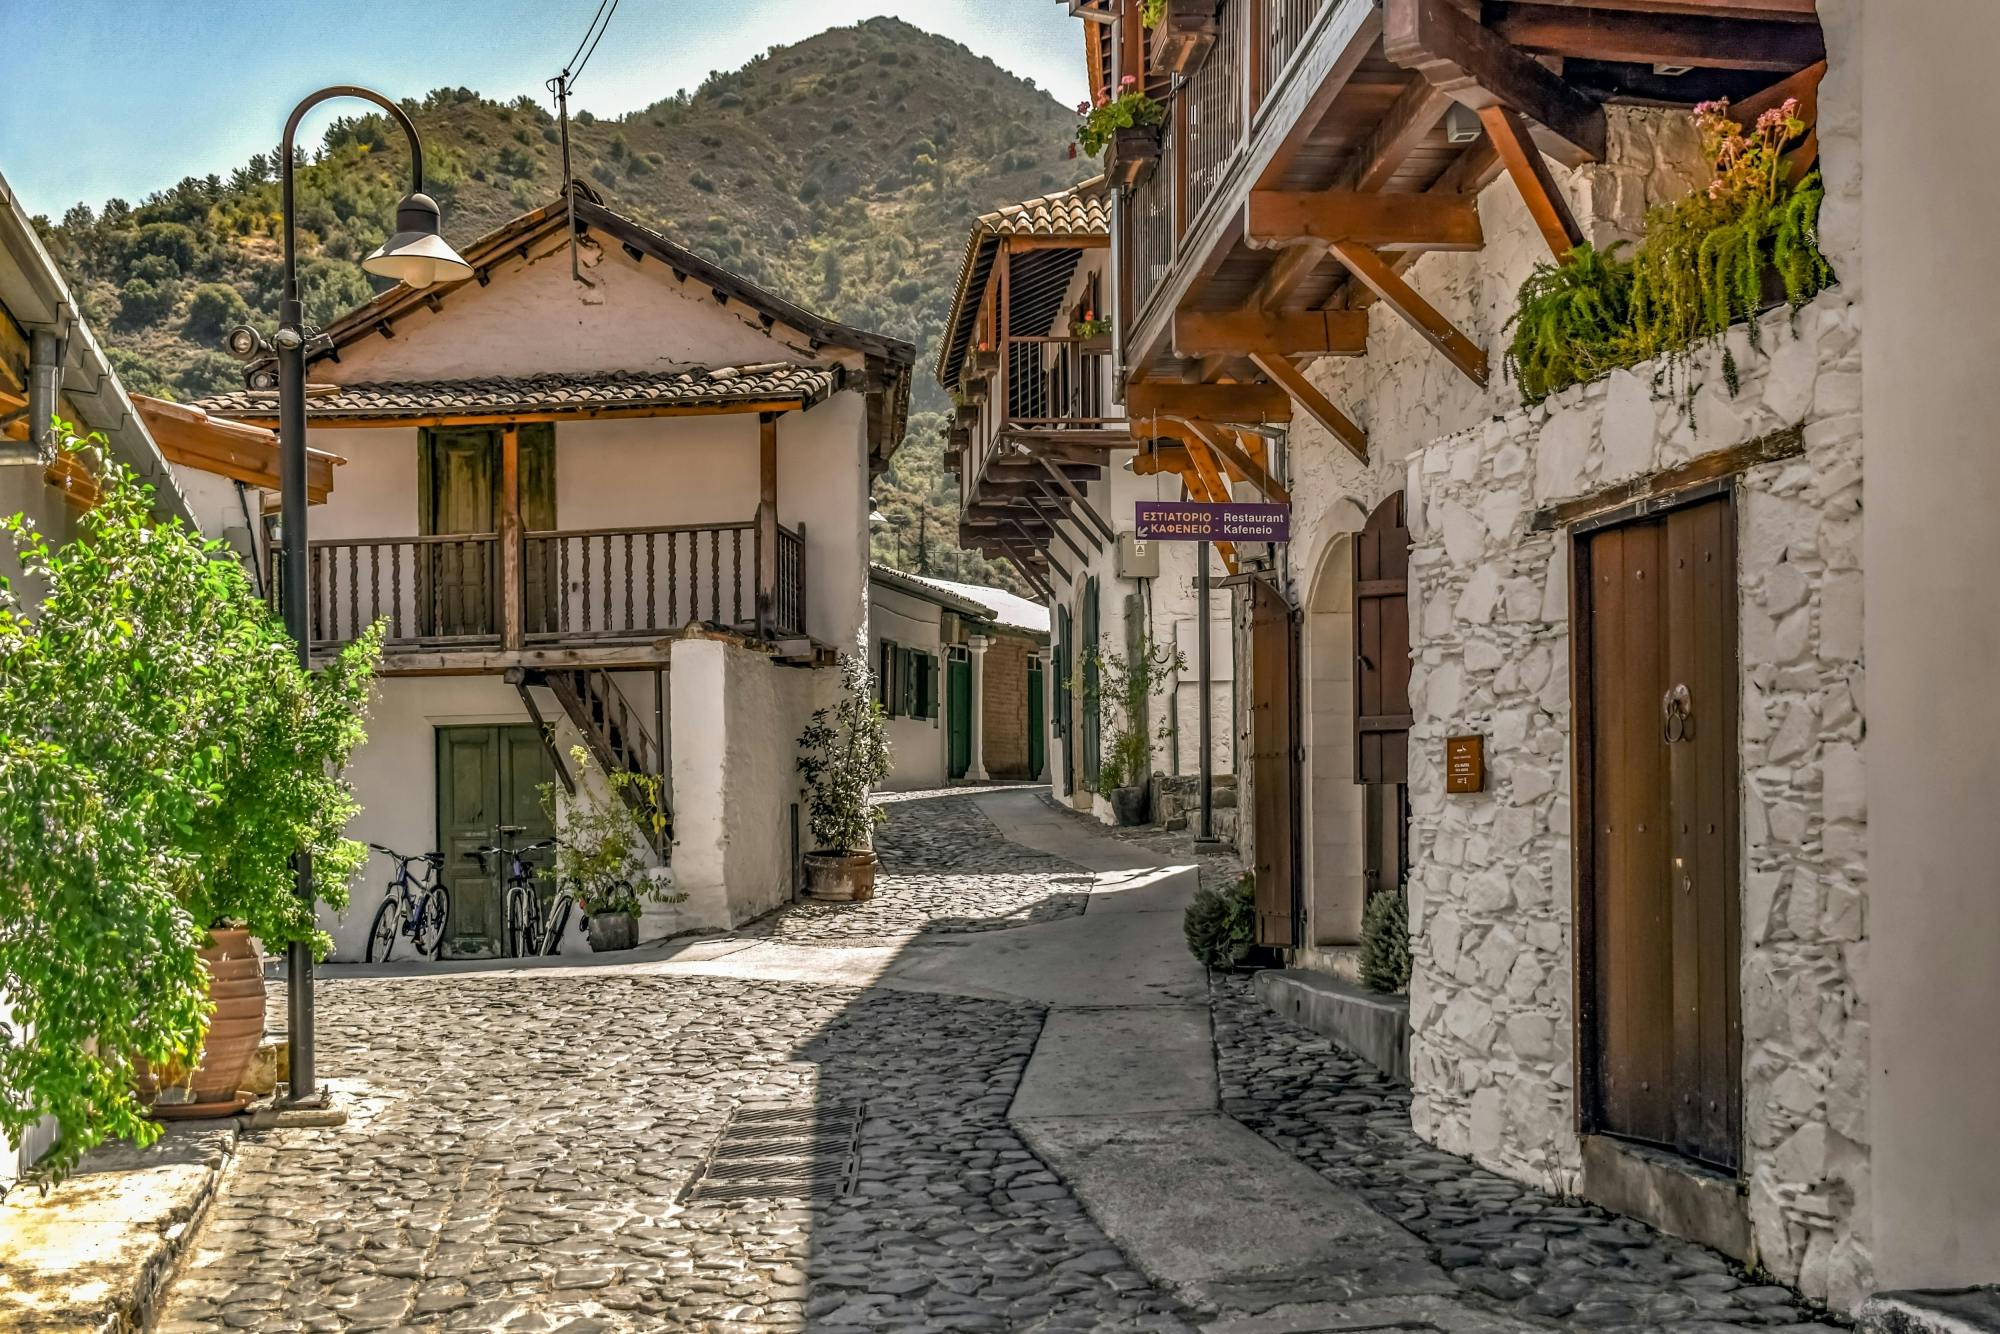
(597, 596)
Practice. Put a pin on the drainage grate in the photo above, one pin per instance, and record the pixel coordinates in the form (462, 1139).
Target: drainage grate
(804, 1151)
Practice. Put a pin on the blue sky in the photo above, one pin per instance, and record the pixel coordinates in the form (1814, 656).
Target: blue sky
(123, 97)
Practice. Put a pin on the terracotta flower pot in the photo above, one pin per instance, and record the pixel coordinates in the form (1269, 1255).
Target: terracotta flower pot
(835, 877)
(612, 931)
(236, 986)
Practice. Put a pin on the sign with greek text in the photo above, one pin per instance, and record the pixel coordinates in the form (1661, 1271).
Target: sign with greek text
(1206, 521)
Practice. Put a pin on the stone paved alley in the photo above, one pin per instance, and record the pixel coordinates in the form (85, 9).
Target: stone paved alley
(1064, 1128)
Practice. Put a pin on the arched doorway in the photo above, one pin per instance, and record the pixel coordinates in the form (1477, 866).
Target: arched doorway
(1334, 847)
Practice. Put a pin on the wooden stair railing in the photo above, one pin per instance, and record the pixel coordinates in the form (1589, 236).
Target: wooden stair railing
(617, 740)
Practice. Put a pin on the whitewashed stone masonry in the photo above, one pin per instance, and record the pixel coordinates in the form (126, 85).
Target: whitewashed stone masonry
(1491, 1000)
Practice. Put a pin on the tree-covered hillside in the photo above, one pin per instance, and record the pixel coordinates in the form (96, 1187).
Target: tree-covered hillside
(842, 171)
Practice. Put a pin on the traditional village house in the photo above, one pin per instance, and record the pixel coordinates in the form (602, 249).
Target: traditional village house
(1691, 913)
(1046, 478)
(960, 672)
(625, 510)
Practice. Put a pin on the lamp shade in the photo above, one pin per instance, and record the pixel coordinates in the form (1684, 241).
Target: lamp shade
(418, 254)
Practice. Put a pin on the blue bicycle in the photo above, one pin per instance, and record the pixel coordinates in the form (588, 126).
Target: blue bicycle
(416, 905)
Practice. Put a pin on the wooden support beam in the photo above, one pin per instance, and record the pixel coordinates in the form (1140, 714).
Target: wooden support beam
(1381, 221)
(1530, 170)
(1054, 519)
(1710, 42)
(1067, 508)
(767, 523)
(1788, 11)
(1076, 494)
(512, 624)
(1197, 489)
(1222, 441)
(1316, 404)
(1028, 570)
(1161, 458)
(1247, 404)
(1439, 332)
(1480, 69)
(1294, 333)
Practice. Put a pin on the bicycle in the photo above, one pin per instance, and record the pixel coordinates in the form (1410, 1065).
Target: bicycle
(415, 904)
(529, 929)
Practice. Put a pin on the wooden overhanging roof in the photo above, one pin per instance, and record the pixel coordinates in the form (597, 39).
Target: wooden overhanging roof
(889, 361)
(770, 387)
(190, 437)
(1066, 222)
(1303, 216)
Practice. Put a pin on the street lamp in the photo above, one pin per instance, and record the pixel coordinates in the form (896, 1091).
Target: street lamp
(418, 255)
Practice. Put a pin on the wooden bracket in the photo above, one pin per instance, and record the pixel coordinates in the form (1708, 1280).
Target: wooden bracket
(1316, 404)
(1524, 162)
(1388, 285)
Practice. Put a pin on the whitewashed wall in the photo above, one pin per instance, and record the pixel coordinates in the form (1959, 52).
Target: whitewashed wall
(917, 745)
(1491, 890)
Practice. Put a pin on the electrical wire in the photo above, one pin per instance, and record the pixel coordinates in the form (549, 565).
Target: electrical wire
(602, 28)
(585, 38)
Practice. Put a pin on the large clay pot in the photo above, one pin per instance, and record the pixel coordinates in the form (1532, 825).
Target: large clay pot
(834, 877)
(611, 931)
(236, 986)
(1128, 805)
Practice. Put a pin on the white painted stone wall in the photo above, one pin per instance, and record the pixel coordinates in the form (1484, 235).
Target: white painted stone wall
(917, 746)
(1491, 889)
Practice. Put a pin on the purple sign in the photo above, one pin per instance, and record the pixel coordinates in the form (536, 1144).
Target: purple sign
(1206, 521)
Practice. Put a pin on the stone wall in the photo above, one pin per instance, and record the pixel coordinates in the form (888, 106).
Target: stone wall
(1491, 1000)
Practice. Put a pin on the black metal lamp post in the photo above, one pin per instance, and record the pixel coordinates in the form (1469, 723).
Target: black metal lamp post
(419, 256)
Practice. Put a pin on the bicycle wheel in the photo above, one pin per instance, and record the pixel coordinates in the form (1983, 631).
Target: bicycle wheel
(558, 922)
(433, 911)
(520, 922)
(382, 933)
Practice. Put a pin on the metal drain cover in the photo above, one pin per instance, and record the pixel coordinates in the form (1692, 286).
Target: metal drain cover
(804, 1151)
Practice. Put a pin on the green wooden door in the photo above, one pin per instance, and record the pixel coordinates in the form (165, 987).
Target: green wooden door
(958, 712)
(486, 777)
(1088, 650)
(1037, 721)
(459, 483)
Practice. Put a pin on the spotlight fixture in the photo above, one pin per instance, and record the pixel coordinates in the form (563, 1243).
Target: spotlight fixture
(246, 344)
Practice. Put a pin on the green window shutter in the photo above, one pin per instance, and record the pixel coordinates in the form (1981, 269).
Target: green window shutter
(931, 688)
(885, 659)
(906, 680)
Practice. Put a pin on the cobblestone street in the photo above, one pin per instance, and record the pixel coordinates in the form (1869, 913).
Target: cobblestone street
(522, 1143)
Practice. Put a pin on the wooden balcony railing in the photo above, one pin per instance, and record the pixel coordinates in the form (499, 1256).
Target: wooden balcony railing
(1212, 116)
(577, 586)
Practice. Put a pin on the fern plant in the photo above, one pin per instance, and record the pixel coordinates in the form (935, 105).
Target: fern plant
(1221, 924)
(1385, 942)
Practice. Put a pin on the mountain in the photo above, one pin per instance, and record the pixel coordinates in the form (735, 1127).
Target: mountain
(842, 171)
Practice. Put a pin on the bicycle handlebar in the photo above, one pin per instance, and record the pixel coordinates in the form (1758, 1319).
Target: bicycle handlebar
(434, 858)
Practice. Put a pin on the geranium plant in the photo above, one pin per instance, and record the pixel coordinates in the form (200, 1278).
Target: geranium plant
(163, 756)
(1707, 261)
(844, 753)
(1090, 327)
(1104, 116)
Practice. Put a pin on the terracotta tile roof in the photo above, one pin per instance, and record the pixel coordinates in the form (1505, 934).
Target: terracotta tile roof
(688, 387)
(1082, 210)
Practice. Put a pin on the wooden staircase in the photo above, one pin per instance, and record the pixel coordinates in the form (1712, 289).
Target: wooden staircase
(617, 737)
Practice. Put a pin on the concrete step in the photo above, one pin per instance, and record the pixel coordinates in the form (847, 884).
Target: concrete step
(1955, 1311)
(1372, 1026)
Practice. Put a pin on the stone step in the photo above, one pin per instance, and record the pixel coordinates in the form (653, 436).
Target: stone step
(1373, 1026)
(1954, 1311)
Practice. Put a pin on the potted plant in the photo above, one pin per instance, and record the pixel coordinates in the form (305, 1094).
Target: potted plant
(1129, 126)
(602, 851)
(1093, 332)
(844, 753)
(1125, 686)
(1183, 31)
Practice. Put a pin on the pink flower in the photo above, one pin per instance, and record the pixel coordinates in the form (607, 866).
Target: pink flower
(1083, 108)
(1128, 81)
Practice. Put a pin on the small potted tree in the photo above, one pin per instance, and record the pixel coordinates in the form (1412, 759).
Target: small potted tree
(1125, 687)
(602, 854)
(844, 753)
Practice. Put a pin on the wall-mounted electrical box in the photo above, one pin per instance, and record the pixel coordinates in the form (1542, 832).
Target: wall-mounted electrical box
(1138, 558)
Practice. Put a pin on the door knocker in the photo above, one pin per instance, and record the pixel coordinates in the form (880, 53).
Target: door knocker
(1678, 706)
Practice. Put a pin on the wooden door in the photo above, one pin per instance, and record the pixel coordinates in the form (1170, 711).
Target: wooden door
(486, 777)
(1273, 763)
(1065, 669)
(1091, 724)
(1658, 749)
(459, 494)
(539, 579)
(1382, 646)
(958, 713)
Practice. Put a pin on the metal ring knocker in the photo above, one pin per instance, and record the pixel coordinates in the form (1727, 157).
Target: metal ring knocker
(1678, 707)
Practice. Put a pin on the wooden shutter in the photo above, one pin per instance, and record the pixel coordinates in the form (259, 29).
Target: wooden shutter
(1382, 647)
(1093, 732)
(1274, 648)
(1063, 658)
(885, 671)
(931, 686)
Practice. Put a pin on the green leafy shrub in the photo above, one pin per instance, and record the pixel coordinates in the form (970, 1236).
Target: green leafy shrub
(1703, 266)
(601, 852)
(844, 753)
(1125, 686)
(214, 309)
(1385, 942)
(1221, 924)
(141, 302)
(162, 757)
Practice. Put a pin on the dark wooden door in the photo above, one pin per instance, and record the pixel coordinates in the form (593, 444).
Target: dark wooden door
(1658, 659)
(1065, 706)
(1091, 724)
(460, 494)
(1273, 768)
(1037, 721)
(540, 581)
(1382, 646)
(486, 777)
(958, 713)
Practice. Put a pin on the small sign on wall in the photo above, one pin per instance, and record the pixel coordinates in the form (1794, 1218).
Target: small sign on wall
(1464, 764)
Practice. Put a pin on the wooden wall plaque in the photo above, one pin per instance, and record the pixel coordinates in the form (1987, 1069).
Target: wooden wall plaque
(1464, 764)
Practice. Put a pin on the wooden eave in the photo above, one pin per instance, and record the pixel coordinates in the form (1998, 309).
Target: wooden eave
(238, 450)
(434, 419)
(1361, 110)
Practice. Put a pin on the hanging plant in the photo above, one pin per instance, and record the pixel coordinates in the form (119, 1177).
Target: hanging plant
(1708, 261)
(1103, 118)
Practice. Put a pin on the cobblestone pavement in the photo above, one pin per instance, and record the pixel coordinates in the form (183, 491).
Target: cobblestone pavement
(1571, 1265)
(516, 1161)
(945, 868)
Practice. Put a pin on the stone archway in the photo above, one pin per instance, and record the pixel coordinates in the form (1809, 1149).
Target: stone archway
(1333, 843)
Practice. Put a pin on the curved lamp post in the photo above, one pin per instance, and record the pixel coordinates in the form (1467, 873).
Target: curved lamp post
(417, 255)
